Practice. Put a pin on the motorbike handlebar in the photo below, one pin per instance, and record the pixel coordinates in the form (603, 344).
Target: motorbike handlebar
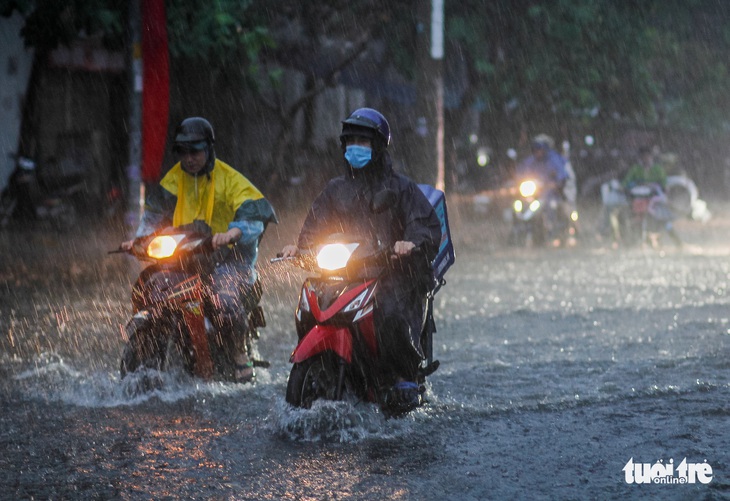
(383, 255)
(206, 247)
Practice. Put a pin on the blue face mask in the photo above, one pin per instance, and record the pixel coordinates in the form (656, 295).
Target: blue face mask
(358, 156)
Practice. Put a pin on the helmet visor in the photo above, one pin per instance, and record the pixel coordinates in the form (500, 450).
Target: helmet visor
(349, 130)
(189, 147)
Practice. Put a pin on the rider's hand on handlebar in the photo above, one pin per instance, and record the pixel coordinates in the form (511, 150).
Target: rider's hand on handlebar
(126, 246)
(289, 251)
(229, 237)
(403, 248)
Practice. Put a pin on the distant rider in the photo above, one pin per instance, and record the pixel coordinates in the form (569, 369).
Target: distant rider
(649, 172)
(201, 191)
(645, 171)
(344, 206)
(554, 172)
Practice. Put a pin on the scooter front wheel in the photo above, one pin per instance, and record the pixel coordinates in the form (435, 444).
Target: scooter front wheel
(313, 379)
(141, 351)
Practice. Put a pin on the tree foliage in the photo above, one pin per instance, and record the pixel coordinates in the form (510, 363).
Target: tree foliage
(641, 61)
(555, 58)
(50, 23)
(226, 34)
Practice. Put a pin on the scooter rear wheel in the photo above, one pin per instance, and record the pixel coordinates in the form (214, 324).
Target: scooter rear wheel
(312, 379)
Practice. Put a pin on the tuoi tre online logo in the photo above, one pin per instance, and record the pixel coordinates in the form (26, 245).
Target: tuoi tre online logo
(666, 473)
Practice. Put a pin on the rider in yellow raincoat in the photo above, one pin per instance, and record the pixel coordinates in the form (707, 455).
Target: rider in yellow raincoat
(202, 192)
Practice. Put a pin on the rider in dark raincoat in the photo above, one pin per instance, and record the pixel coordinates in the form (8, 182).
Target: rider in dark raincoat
(344, 206)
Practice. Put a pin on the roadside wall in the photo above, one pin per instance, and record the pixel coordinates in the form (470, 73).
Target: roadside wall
(15, 65)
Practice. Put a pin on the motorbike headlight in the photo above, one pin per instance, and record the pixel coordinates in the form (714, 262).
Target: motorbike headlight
(528, 188)
(335, 256)
(535, 205)
(518, 205)
(163, 246)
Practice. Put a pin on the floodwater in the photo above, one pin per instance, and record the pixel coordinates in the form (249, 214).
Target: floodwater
(563, 372)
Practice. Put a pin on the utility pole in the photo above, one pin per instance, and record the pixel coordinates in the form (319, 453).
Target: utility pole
(437, 54)
(429, 119)
(134, 123)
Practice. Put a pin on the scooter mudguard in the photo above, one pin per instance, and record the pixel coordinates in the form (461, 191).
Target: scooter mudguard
(322, 338)
(195, 322)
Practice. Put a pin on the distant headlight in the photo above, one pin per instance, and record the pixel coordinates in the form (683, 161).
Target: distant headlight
(528, 188)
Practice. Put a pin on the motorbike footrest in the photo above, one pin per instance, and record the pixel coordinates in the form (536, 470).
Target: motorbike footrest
(429, 369)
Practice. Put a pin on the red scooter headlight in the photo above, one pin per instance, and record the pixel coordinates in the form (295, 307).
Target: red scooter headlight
(335, 256)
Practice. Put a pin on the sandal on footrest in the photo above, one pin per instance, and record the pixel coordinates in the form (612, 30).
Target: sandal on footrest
(244, 373)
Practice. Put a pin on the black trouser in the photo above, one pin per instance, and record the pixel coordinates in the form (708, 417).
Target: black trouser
(235, 294)
(398, 319)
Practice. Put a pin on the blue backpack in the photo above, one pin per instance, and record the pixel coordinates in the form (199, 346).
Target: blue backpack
(445, 257)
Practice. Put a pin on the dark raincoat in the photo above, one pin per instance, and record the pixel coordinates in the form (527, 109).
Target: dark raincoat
(344, 206)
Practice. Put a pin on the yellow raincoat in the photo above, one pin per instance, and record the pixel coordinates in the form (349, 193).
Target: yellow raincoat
(213, 198)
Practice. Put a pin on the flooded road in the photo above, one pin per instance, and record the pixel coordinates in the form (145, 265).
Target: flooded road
(563, 372)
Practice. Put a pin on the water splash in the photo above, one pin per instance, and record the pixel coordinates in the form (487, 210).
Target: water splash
(53, 379)
(344, 421)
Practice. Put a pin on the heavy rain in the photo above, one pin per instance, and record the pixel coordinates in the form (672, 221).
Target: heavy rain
(592, 367)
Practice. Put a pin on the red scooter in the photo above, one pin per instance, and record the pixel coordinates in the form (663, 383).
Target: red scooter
(172, 304)
(337, 350)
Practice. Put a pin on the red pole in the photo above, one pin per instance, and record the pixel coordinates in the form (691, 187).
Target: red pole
(156, 88)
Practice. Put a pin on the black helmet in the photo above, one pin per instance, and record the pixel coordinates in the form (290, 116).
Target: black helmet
(194, 130)
(367, 122)
(196, 133)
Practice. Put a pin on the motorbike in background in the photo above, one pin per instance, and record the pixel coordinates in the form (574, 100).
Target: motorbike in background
(172, 326)
(644, 200)
(637, 214)
(537, 214)
(29, 196)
